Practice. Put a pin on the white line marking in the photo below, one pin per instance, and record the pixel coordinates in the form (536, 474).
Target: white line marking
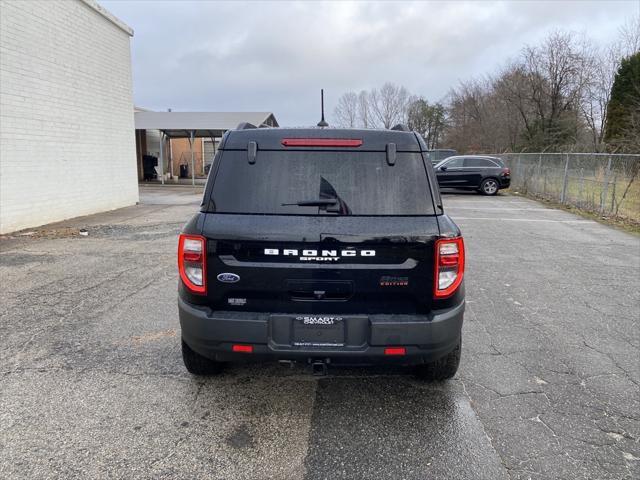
(458, 202)
(455, 219)
(490, 202)
(550, 210)
(490, 205)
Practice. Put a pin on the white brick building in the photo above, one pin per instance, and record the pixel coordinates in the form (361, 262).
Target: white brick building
(67, 135)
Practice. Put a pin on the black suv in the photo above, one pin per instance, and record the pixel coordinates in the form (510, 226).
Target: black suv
(473, 172)
(322, 246)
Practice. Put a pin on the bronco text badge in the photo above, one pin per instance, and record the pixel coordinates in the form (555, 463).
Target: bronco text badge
(320, 255)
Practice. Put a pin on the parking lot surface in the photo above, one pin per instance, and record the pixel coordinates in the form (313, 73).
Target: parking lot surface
(92, 383)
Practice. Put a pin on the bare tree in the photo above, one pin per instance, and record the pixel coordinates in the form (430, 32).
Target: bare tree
(601, 74)
(630, 36)
(346, 112)
(597, 92)
(376, 108)
(467, 117)
(534, 102)
(427, 120)
(511, 110)
(555, 94)
(389, 104)
(364, 115)
(418, 116)
(435, 125)
(555, 74)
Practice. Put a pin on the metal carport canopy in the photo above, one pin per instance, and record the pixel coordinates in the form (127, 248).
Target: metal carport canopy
(202, 124)
(196, 124)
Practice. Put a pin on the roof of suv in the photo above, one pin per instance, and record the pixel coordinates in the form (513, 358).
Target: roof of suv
(372, 140)
(474, 156)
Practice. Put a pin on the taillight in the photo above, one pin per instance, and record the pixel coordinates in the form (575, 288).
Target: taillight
(192, 262)
(506, 172)
(449, 266)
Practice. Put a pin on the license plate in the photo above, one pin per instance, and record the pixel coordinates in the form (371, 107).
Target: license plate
(318, 331)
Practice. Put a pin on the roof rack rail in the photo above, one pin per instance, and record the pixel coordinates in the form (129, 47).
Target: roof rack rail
(245, 126)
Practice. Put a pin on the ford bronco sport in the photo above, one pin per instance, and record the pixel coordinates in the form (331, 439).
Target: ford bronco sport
(326, 246)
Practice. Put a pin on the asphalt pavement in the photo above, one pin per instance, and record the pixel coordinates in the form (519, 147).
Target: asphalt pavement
(92, 383)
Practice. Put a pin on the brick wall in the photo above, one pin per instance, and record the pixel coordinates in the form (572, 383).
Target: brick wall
(67, 141)
(182, 154)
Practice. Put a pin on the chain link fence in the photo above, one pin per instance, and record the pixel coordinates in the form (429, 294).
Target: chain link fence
(608, 184)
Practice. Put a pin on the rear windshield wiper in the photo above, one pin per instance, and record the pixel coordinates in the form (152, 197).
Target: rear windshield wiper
(320, 202)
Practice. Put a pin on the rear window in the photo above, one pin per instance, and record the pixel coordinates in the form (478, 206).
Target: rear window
(342, 183)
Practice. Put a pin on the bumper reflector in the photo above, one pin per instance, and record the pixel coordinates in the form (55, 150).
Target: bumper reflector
(395, 351)
(242, 348)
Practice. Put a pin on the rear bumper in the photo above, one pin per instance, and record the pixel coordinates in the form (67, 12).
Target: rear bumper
(425, 337)
(505, 182)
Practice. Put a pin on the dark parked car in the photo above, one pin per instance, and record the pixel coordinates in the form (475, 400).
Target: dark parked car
(473, 172)
(323, 246)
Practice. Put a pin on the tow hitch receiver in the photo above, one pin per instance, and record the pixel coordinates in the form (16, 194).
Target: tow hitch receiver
(319, 368)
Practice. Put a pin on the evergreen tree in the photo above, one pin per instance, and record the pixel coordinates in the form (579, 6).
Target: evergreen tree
(624, 104)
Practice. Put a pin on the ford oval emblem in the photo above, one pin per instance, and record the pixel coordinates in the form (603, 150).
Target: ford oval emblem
(228, 277)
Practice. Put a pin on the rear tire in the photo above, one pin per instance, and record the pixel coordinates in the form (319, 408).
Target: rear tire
(443, 368)
(489, 186)
(196, 364)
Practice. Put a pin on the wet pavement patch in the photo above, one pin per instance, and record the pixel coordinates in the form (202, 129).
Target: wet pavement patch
(240, 437)
(395, 427)
(20, 259)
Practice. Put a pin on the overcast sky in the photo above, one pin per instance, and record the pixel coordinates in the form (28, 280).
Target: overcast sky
(275, 56)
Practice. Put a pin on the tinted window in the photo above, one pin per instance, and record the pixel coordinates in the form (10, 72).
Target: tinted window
(454, 163)
(479, 162)
(360, 183)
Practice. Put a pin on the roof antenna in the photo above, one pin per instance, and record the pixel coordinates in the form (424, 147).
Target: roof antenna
(322, 122)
